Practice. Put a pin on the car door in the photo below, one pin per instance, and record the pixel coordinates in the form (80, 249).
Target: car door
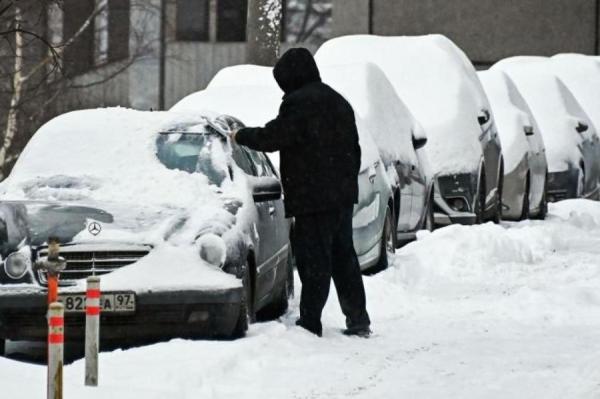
(419, 194)
(406, 196)
(272, 232)
(365, 222)
(492, 152)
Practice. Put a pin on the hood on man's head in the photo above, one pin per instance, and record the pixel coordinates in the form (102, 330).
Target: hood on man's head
(296, 68)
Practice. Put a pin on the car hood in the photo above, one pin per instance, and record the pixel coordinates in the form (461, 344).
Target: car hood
(32, 222)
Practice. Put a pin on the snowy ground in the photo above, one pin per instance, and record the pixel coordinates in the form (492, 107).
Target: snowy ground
(509, 311)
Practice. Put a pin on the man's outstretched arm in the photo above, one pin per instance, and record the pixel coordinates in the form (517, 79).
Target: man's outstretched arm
(283, 131)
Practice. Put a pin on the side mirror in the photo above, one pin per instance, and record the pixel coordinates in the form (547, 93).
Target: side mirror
(483, 117)
(528, 130)
(582, 127)
(266, 189)
(419, 142)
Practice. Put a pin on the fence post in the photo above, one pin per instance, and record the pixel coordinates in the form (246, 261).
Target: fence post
(92, 330)
(56, 331)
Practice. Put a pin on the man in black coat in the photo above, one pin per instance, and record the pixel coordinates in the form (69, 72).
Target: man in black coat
(315, 132)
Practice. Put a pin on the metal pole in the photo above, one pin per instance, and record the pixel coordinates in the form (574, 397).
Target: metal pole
(92, 330)
(56, 330)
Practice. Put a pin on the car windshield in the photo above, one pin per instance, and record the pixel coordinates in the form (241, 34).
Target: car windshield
(194, 153)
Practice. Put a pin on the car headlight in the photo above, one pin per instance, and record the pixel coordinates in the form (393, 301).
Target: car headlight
(16, 265)
(212, 249)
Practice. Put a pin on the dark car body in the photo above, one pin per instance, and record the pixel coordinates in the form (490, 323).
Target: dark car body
(255, 266)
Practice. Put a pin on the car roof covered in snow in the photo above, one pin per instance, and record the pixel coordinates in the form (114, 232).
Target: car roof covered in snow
(511, 114)
(437, 83)
(112, 154)
(554, 107)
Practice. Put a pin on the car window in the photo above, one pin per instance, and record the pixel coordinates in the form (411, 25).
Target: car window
(242, 160)
(261, 163)
(193, 153)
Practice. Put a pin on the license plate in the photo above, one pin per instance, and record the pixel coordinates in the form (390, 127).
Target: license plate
(117, 302)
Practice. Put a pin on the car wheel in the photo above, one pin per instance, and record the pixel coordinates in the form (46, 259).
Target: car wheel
(429, 222)
(480, 203)
(246, 314)
(279, 305)
(525, 207)
(2, 347)
(388, 242)
(544, 202)
(580, 183)
(498, 214)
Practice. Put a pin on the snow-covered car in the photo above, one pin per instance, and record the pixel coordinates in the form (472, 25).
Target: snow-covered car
(399, 138)
(440, 87)
(187, 232)
(373, 220)
(581, 74)
(525, 165)
(569, 136)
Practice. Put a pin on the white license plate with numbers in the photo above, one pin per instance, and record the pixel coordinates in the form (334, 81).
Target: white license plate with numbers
(117, 302)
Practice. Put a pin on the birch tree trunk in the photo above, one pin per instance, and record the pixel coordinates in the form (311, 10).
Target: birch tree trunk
(12, 116)
(263, 31)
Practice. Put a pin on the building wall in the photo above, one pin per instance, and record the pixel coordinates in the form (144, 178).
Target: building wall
(487, 30)
(191, 65)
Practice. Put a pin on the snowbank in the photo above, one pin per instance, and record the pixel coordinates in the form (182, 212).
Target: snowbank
(553, 106)
(511, 115)
(430, 75)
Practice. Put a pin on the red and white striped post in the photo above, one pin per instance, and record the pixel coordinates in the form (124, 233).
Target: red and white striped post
(56, 338)
(92, 330)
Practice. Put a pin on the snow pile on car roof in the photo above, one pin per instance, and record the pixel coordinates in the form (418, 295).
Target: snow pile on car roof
(581, 74)
(553, 105)
(511, 115)
(245, 75)
(111, 152)
(374, 99)
(250, 93)
(432, 78)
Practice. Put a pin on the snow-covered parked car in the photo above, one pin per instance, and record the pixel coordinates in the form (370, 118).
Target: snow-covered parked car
(373, 220)
(400, 140)
(525, 165)
(440, 87)
(581, 74)
(569, 136)
(187, 233)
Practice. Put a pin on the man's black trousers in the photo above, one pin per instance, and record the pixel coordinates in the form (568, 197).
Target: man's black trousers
(323, 248)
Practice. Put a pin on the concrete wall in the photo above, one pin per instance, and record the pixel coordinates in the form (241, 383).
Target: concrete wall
(488, 30)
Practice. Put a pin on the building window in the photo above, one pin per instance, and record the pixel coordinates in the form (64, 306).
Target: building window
(231, 20)
(104, 39)
(79, 55)
(118, 29)
(192, 20)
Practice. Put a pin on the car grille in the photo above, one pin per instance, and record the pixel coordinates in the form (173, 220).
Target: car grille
(85, 262)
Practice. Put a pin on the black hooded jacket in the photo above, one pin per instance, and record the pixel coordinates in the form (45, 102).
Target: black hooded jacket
(315, 132)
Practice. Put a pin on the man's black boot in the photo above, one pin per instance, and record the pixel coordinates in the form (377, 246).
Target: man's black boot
(359, 331)
(312, 327)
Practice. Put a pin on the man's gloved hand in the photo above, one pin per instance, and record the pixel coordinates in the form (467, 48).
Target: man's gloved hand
(232, 135)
